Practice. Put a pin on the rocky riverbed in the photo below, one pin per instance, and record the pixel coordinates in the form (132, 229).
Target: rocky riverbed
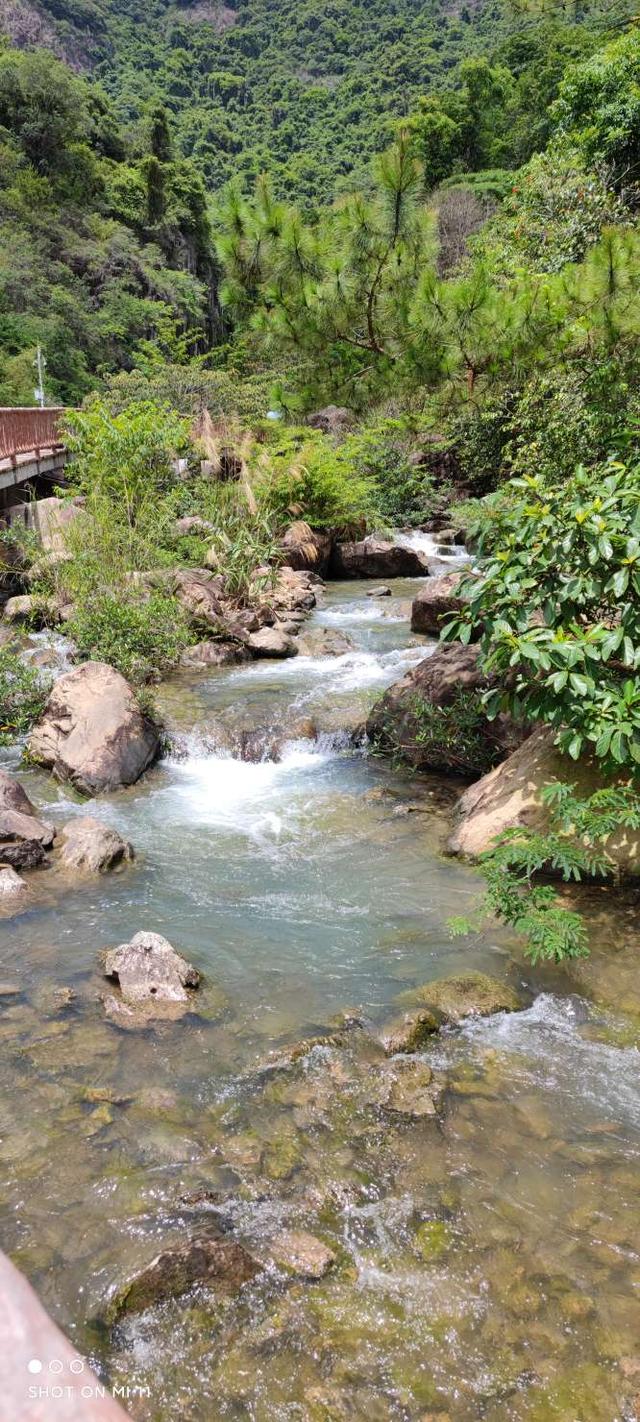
(259, 1208)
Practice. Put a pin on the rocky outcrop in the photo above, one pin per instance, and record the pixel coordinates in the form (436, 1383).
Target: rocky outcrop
(24, 838)
(271, 642)
(305, 549)
(510, 796)
(150, 973)
(302, 1254)
(222, 1264)
(435, 603)
(433, 716)
(377, 558)
(92, 731)
(91, 847)
(410, 1032)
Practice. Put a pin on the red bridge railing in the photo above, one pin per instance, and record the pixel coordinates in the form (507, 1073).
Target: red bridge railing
(29, 429)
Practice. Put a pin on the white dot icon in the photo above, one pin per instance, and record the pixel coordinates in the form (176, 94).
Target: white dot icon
(34, 1366)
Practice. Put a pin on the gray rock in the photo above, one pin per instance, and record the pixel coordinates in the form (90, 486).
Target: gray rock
(12, 887)
(302, 1254)
(201, 594)
(268, 642)
(379, 592)
(332, 420)
(149, 970)
(325, 642)
(221, 1264)
(92, 732)
(19, 609)
(23, 839)
(192, 523)
(408, 1088)
(13, 796)
(90, 846)
(214, 654)
(305, 548)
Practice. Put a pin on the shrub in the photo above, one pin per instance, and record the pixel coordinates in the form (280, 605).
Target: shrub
(23, 693)
(403, 492)
(128, 457)
(557, 607)
(574, 847)
(302, 476)
(138, 638)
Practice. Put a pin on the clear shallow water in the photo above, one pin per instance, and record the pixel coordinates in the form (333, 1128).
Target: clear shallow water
(486, 1267)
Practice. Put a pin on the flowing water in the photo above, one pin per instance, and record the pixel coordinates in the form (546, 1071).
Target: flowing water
(487, 1262)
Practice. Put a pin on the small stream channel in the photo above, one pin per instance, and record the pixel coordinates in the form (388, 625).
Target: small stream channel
(487, 1266)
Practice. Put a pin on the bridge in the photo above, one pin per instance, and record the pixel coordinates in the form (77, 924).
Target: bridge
(31, 444)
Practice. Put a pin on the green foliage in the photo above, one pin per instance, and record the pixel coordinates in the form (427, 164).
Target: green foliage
(303, 476)
(127, 457)
(557, 604)
(140, 637)
(452, 736)
(599, 108)
(573, 847)
(405, 489)
(23, 693)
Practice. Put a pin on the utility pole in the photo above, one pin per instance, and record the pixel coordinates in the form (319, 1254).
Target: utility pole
(40, 364)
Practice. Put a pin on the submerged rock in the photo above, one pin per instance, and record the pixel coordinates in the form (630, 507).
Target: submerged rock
(92, 731)
(409, 1033)
(408, 1088)
(452, 1000)
(269, 642)
(377, 558)
(151, 975)
(89, 845)
(302, 1254)
(379, 592)
(221, 1264)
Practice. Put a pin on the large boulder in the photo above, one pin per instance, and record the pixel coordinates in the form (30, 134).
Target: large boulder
(92, 731)
(377, 558)
(325, 642)
(49, 519)
(221, 1264)
(92, 847)
(435, 603)
(214, 654)
(271, 642)
(510, 796)
(411, 718)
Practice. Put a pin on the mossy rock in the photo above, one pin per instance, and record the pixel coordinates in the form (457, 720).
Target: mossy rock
(452, 1000)
(432, 1239)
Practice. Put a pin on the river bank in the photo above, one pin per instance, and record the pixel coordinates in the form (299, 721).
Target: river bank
(485, 1257)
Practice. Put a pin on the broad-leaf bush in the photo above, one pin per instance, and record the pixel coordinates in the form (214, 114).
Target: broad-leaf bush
(556, 604)
(23, 693)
